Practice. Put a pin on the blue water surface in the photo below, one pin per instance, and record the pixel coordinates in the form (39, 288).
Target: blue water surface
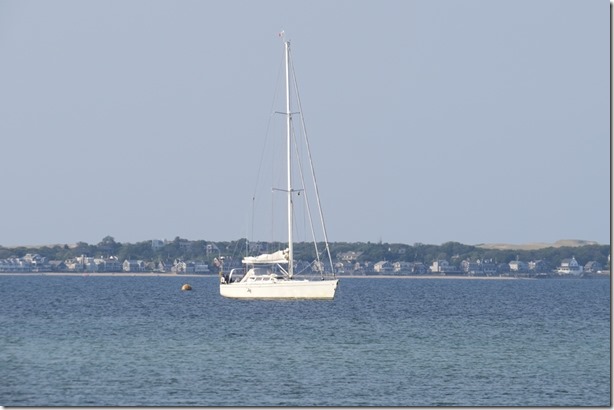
(141, 341)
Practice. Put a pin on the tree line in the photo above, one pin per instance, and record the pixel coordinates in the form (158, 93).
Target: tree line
(207, 251)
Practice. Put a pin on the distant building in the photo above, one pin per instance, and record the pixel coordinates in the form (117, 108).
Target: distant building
(488, 267)
(570, 267)
(133, 266)
(383, 267)
(179, 266)
(37, 263)
(401, 267)
(479, 267)
(81, 263)
(418, 268)
(471, 268)
(339, 267)
(593, 267)
(350, 256)
(14, 265)
(111, 264)
(518, 266)
(539, 266)
(443, 266)
(358, 269)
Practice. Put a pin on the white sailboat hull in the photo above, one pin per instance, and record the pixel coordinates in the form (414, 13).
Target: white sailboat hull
(281, 289)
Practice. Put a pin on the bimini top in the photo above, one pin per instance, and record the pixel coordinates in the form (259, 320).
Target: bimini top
(268, 258)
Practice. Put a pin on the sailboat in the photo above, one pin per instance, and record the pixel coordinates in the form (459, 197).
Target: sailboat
(272, 275)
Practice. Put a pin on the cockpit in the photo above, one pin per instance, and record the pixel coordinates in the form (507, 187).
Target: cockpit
(235, 275)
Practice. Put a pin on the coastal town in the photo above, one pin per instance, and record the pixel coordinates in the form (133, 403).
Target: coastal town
(351, 263)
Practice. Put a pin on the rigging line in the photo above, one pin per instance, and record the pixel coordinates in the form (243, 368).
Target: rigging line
(306, 200)
(266, 138)
(313, 174)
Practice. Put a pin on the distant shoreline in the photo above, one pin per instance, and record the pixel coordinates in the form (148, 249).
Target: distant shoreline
(193, 275)
(429, 277)
(117, 274)
(209, 275)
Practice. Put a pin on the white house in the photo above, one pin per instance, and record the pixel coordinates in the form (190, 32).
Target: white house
(133, 266)
(518, 266)
(382, 267)
(570, 267)
(111, 264)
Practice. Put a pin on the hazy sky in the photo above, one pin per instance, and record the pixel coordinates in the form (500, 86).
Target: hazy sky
(430, 121)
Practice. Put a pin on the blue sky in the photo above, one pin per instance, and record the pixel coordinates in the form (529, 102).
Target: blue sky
(430, 121)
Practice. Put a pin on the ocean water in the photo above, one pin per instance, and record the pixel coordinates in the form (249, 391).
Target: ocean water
(141, 341)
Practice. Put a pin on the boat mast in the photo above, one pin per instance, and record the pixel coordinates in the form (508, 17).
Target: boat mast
(289, 153)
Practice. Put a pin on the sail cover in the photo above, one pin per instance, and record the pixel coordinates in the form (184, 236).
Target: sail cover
(268, 258)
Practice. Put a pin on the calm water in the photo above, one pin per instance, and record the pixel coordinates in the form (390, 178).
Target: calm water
(140, 341)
